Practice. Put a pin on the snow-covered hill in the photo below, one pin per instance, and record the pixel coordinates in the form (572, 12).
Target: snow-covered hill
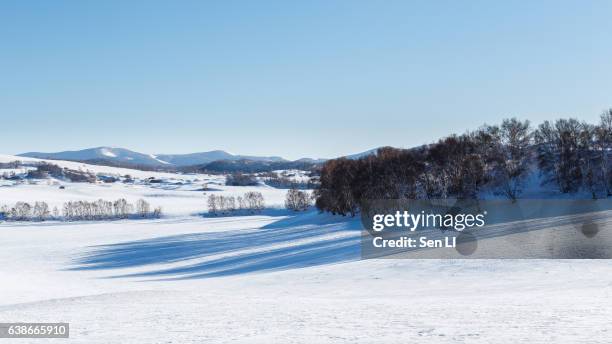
(119, 155)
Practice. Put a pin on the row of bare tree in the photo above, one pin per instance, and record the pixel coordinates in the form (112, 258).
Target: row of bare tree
(252, 202)
(80, 211)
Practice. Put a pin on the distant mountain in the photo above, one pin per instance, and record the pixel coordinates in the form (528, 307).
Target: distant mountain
(206, 157)
(117, 155)
(125, 157)
(213, 161)
(195, 158)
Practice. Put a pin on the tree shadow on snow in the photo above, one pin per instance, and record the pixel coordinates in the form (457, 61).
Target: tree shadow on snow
(294, 241)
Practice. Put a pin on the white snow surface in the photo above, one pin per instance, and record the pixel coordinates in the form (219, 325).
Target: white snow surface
(108, 153)
(155, 157)
(278, 277)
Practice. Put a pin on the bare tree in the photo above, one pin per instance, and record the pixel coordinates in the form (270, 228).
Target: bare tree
(40, 211)
(157, 212)
(121, 208)
(255, 201)
(242, 205)
(558, 153)
(21, 211)
(212, 205)
(511, 163)
(297, 200)
(142, 208)
(604, 138)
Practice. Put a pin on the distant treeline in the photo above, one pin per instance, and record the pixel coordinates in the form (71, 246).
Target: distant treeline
(252, 166)
(252, 202)
(285, 181)
(240, 179)
(573, 155)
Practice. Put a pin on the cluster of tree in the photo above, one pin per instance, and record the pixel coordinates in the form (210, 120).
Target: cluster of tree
(241, 179)
(11, 164)
(280, 181)
(576, 155)
(10, 176)
(107, 179)
(23, 211)
(297, 200)
(46, 170)
(570, 154)
(252, 202)
(79, 211)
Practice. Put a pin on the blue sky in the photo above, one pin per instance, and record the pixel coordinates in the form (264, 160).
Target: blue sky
(292, 78)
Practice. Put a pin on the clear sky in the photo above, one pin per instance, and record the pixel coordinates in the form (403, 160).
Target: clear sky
(292, 78)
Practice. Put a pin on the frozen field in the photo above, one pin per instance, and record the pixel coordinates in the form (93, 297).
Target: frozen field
(274, 278)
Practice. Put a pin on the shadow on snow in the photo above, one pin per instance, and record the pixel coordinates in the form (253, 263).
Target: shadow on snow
(293, 241)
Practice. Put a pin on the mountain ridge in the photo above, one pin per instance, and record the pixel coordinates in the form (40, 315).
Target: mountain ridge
(125, 156)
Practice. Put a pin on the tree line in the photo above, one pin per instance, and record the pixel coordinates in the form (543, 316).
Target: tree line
(80, 211)
(281, 181)
(252, 202)
(572, 155)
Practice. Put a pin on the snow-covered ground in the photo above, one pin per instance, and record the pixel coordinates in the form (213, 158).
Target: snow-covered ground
(278, 277)
(174, 200)
(178, 195)
(289, 279)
